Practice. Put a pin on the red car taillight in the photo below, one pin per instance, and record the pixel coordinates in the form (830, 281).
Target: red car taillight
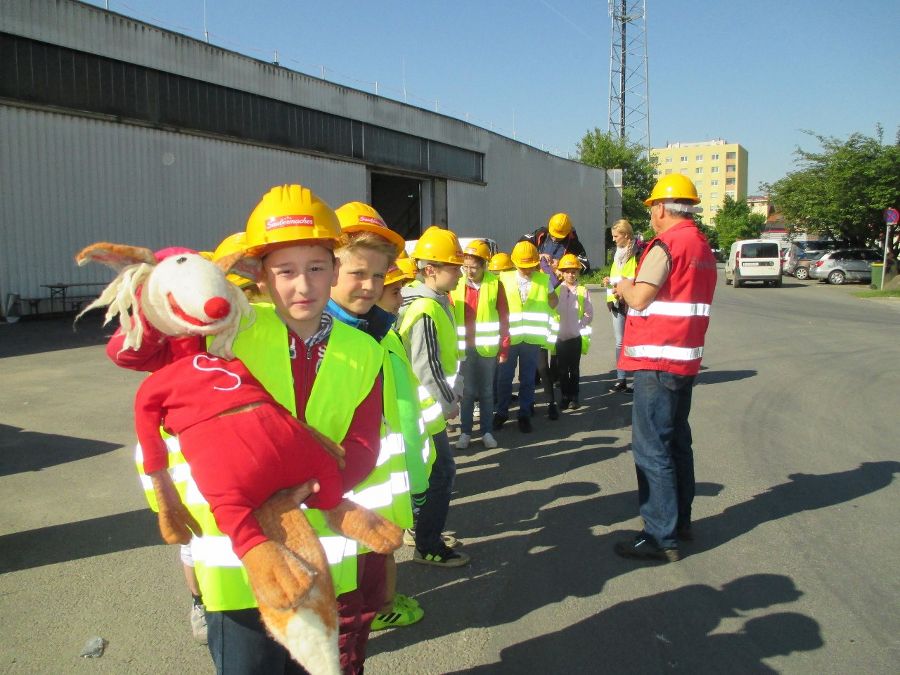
(819, 263)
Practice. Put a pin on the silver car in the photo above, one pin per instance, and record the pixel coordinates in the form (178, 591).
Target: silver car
(846, 264)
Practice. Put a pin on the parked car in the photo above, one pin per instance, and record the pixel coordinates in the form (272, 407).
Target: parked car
(801, 266)
(806, 250)
(846, 264)
(753, 260)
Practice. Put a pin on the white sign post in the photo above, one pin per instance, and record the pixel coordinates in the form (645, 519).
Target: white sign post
(891, 216)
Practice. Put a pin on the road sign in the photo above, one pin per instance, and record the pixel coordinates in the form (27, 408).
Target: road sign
(891, 216)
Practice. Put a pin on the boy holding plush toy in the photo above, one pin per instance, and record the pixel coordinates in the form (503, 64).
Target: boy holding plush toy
(323, 372)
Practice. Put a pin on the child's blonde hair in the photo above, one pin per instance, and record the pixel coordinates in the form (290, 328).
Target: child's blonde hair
(368, 241)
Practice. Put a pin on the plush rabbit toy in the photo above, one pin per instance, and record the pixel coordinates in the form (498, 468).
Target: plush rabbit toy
(242, 447)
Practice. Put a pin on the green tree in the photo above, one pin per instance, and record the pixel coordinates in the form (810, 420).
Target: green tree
(841, 191)
(607, 151)
(734, 221)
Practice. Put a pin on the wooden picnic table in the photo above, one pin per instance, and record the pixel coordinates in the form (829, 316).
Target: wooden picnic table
(59, 292)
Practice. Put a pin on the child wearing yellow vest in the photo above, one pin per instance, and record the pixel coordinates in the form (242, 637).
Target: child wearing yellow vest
(428, 330)
(365, 261)
(624, 266)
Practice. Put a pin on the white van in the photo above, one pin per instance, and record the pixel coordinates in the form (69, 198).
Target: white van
(753, 260)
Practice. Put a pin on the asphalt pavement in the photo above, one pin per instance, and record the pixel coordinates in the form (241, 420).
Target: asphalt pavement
(792, 568)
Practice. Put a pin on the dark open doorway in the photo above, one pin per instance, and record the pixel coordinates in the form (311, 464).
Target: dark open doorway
(399, 201)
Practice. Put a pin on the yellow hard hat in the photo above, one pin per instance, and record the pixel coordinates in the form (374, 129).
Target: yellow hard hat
(525, 255)
(559, 225)
(438, 245)
(403, 269)
(289, 213)
(569, 262)
(233, 243)
(673, 186)
(359, 217)
(479, 249)
(500, 263)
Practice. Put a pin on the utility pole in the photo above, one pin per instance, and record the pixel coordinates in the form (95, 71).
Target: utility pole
(629, 96)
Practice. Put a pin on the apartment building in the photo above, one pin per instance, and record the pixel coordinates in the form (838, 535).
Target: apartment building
(718, 169)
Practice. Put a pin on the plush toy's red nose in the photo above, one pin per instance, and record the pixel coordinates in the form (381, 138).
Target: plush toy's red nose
(217, 308)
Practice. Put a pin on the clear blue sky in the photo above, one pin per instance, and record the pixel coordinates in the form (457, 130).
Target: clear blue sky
(755, 73)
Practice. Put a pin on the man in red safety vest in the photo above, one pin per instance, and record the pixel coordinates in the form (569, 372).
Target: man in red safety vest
(669, 302)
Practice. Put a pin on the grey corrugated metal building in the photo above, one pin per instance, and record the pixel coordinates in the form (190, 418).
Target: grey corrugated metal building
(112, 129)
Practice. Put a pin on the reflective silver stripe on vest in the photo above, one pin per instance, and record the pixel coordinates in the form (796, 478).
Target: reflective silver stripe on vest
(488, 341)
(378, 496)
(214, 551)
(487, 326)
(514, 317)
(663, 308)
(664, 352)
(431, 413)
(534, 316)
(391, 446)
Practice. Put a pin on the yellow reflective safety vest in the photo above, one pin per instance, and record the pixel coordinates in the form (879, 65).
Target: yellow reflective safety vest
(487, 318)
(349, 368)
(446, 336)
(417, 447)
(617, 273)
(585, 331)
(533, 321)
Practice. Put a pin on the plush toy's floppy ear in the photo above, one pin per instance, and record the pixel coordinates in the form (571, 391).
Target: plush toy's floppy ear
(240, 264)
(117, 256)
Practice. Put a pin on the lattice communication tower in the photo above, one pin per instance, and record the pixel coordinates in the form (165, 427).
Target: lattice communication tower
(629, 97)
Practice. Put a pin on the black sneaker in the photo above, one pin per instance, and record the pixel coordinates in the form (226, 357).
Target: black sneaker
(443, 557)
(564, 403)
(618, 387)
(643, 547)
(575, 404)
(629, 390)
(499, 421)
(525, 425)
(553, 412)
(684, 533)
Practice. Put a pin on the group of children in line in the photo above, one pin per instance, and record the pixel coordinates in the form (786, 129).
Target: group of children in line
(449, 327)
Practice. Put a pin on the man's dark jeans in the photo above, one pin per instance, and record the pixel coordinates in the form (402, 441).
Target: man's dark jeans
(433, 513)
(238, 643)
(663, 456)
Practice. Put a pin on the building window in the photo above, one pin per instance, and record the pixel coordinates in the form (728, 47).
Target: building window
(729, 193)
(714, 195)
(730, 155)
(699, 195)
(668, 171)
(714, 208)
(699, 169)
(714, 169)
(684, 158)
(668, 160)
(729, 181)
(729, 168)
(715, 157)
(684, 172)
(699, 158)
(714, 182)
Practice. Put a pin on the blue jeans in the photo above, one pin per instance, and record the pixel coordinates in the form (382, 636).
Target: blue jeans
(618, 322)
(526, 356)
(478, 384)
(663, 456)
(238, 643)
(433, 513)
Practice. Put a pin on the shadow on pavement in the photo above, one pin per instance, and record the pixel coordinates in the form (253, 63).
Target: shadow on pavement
(539, 547)
(33, 336)
(22, 450)
(720, 376)
(83, 539)
(672, 631)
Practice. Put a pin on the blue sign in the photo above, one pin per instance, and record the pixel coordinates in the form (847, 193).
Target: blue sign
(891, 216)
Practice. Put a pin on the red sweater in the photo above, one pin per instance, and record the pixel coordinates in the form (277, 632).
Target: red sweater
(363, 438)
(238, 460)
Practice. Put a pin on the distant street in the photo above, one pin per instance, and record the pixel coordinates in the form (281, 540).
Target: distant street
(793, 568)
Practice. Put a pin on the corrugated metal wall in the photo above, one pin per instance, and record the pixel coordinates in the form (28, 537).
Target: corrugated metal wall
(66, 182)
(525, 188)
